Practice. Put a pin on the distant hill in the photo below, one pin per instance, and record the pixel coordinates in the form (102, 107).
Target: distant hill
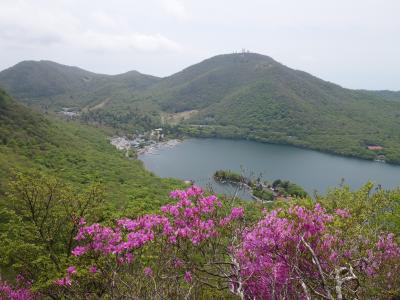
(387, 95)
(241, 95)
(47, 84)
(76, 153)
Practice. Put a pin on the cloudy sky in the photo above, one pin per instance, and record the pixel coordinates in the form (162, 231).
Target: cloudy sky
(355, 43)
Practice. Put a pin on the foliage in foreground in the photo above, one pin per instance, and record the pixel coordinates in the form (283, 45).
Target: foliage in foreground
(203, 247)
(38, 223)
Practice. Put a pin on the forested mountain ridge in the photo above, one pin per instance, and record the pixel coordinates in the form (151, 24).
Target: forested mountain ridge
(209, 81)
(222, 76)
(240, 95)
(47, 84)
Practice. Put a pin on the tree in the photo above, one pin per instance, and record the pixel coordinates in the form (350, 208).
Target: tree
(41, 218)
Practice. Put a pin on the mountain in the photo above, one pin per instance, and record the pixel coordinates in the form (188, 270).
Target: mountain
(252, 96)
(226, 76)
(210, 81)
(51, 85)
(75, 153)
(240, 95)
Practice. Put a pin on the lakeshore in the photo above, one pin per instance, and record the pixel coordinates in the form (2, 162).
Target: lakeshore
(153, 148)
(143, 144)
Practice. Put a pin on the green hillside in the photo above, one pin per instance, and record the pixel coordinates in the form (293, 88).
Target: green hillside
(75, 153)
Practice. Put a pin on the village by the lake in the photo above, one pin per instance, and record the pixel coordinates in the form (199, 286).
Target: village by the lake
(147, 142)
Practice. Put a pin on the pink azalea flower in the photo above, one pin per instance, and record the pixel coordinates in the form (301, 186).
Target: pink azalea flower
(66, 281)
(188, 276)
(79, 251)
(148, 272)
(71, 270)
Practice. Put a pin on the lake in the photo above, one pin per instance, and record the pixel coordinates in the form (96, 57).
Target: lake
(198, 159)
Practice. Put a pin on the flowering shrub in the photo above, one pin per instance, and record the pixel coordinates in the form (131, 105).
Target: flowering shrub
(382, 266)
(187, 219)
(182, 246)
(301, 252)
(273, 255)
(200, 246)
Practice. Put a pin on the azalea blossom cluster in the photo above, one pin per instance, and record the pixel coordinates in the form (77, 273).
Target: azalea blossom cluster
(271, 248)
(295, 252)
(194, 217)
(20, 292)
(383, 260)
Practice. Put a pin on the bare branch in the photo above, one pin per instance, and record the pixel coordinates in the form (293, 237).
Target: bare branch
(320, 271)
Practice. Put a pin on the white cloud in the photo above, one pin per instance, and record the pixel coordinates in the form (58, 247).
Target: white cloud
(176, 9)
(103, 20)
(24, 23)
(96, 41)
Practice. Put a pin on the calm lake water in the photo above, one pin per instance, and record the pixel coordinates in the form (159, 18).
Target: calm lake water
(198, 159)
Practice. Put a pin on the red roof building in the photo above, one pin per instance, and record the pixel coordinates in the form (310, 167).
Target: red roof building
(375, 147)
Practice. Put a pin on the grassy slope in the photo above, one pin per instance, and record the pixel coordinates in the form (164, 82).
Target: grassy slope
(76, 153)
